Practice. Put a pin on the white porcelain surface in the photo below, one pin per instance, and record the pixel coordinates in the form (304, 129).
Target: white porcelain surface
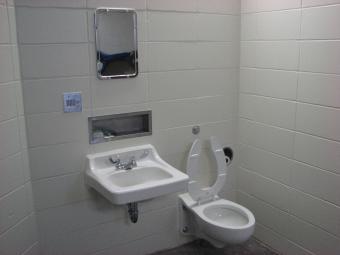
(225, 221)
(152, 177)
(196, 190)
(217, 220)
(220, 221)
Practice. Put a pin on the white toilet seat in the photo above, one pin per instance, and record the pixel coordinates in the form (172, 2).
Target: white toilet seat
(195, 189)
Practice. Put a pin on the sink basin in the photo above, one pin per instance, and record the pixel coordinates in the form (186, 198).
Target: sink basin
(138, 176)
(150, 178)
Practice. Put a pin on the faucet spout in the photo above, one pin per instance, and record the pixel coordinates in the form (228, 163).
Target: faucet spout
(124, 165)
(131, 164)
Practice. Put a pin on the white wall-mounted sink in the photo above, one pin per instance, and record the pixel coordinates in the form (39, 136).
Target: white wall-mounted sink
(150, 177)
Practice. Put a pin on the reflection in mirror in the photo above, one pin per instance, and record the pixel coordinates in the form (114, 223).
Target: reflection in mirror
(116, 43)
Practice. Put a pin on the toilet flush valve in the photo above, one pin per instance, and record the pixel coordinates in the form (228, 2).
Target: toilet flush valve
(185, 229)
(196, 130)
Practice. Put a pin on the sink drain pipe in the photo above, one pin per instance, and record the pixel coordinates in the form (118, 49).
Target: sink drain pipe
(133, 212)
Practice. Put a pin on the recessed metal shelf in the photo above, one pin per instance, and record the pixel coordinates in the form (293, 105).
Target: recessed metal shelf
(119, 126)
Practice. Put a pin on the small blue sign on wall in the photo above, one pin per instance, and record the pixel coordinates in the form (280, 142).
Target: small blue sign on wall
(72, 102)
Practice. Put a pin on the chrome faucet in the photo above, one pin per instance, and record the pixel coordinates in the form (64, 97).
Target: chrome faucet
(130, 164)
(124, 165)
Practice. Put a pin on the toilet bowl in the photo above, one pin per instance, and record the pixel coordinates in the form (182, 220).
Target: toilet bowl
(216, 220)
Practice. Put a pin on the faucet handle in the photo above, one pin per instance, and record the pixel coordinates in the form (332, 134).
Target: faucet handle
(114, 161)
(133, 161)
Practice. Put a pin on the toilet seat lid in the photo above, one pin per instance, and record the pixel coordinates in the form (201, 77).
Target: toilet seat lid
(195, 189)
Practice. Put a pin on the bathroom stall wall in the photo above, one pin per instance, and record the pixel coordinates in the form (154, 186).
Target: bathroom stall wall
(289, 171)
(189, 69)
(17, 219)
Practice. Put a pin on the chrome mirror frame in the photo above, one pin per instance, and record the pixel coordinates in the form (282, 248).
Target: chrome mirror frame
(100, 10)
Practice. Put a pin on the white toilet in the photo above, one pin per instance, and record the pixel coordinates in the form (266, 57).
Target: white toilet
(216, 220)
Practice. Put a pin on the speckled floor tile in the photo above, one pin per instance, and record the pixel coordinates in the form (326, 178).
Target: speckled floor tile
(201, 247)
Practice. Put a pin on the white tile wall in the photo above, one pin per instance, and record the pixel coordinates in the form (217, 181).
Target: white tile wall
(62, 190)
(318, 120)
(4, 26)
(51, 161)
(317, 182)
(136, 4)
(17, 204)
(266, 110)
(8, 106)
(191, 111)
(171, 26)
(9, 135)
(179, 84)
(68, 60)
(87, 241)
(282, 55)
(130, 91)
(45, 88)
(281, 25)
(217, 55)
(308, 3)
(67, 128)
(267, 5)
(176, 5)
(188, 59)
(171, 56)
(267, 164)
(320, 56)
(289, 123)
(17, 219)
(12, 173)
(52, 3)
(318, 23)
(320, 89)
(270, 83)
(6, 63)
(207, 24)
(35, 26)
(321, 152)
(219, 6)
(270, 138)
(326, 216)
(279, 195)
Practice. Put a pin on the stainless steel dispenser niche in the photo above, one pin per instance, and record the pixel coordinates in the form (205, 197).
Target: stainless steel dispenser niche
(119, 126)
(116, 43)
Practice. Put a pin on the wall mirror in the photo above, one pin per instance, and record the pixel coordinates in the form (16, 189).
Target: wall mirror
(116, 43)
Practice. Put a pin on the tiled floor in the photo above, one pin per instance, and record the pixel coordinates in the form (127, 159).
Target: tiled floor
(200, 247)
